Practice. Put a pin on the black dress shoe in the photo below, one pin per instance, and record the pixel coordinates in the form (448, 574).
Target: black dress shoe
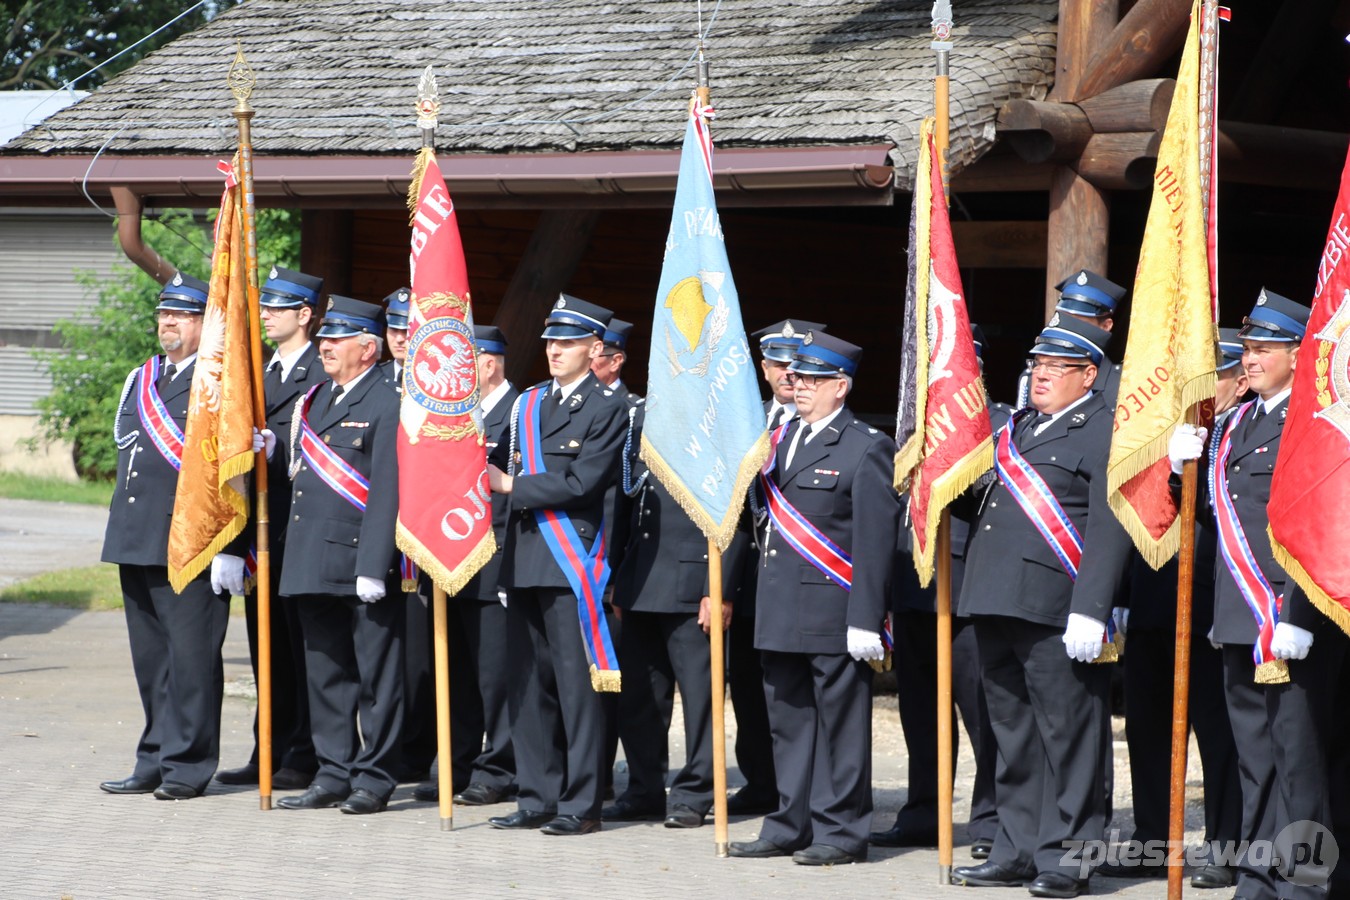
(981, 849)
(747, 802)
(760, 849)
(132, 784)
(521, 818)
(427, 792)
(362, 802)
(570, 825)
(170, 790)
(286, 779)
(314, 798)
(825, 855)
(1213, 876)
(625, 810)
(243, 775)
(477, 794)
(681, 816)
(904, 836)
(990, 875)
(1056, 884)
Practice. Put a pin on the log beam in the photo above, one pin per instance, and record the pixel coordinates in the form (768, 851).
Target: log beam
(1077, 230)
(1084, 26)
(555, 249)
(1120, 162)
(1144, 39)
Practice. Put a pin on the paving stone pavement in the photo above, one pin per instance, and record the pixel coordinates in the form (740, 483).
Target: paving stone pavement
(69, 718)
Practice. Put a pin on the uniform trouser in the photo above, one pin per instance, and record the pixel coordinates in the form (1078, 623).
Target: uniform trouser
(1249, 717)
(557, 718)
(480, 692)
(419, 687)
(1150, 655)
(659, 651)
(1048, 714)
(175, 652)
(1310, 766)
(354, 659)
(754, 745)
(820, 715)
(292, 746)
(915, 664)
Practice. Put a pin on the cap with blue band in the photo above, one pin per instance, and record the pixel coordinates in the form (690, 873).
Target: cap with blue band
(347, 317)
(779, 341)
(1088, 294)
(489, 339)
(1275, 318)
(288, 289)
(1230, 349)
(616, 335)
(184, 293)
(1067, 336)
(396, 307)
(824, 354)
(572, 318)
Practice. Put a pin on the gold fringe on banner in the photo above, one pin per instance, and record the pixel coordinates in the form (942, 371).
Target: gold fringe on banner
(443, 578)
(953, 483)
(1320, 598)
(720, 533)
(424, 159)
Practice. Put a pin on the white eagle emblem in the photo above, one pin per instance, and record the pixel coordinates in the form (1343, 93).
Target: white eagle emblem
(447, 376)
(210, 360)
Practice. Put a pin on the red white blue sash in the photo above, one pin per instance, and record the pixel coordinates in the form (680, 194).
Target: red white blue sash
(155, 419)
(1237, 550)
(808, 540)
(332, 469)
(1041, 506)
(587, 571)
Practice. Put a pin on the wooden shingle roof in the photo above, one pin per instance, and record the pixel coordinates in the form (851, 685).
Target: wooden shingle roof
(340, 77)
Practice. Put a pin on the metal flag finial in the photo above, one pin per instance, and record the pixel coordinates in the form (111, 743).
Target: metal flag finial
(428, 101)
(942, 19)
(241, 78)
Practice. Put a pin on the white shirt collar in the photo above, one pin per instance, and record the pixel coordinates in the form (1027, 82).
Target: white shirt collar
(287, 362)
(492, 399)
(178, 367)
(1269, 405)
(818, 426)
(569, 388)
(347, 388)
(1054, 417)
(775, 406)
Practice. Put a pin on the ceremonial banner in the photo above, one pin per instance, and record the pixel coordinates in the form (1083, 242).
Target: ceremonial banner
(444, 512)
(704, 434)
(1170, 357)
(1309, 512)
(942, 423)
(211, 505)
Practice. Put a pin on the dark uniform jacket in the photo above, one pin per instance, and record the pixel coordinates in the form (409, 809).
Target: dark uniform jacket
(1011, 569)
(582, 441)
(329, 541)
(842, 483)
(307, 372)
(497, 430)
(664, 555)
(142, 502)
(1251, 464)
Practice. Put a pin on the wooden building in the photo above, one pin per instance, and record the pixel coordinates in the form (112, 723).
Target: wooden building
(562, 121)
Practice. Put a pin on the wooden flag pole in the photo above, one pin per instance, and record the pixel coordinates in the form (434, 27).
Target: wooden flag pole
(242, 80)
(441, 647)
(942, 29)
(716, 646)
(1181, 675)
(428, 107)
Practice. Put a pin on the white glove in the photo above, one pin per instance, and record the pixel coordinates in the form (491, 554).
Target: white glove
(1187, 442)
(501, 597)
(864, 644)
(369, 589)
(1121, 616)
(1290, 641)
(1213, 643)
(265, 440)
(227, 574)
(1083, 637)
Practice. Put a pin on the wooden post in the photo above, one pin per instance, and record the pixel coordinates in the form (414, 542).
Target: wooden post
(1181, 677)
(441, 660)
(241, 80)
(946, 774)
(719, 694)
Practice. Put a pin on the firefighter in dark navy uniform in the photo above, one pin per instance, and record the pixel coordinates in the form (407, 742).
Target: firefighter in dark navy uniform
(341, 565)
(481, 749)
(175, 638)
(287, 306)
(1040, 595)
(821, 609)
(1265, 729)
(568, 436)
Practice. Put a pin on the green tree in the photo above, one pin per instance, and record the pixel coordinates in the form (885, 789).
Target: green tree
(49, 42)
(88, 375)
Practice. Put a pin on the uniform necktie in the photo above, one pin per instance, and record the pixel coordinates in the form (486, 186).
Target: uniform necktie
(333, 397)
(777, 418)
(801, 437)
(166, 378)
(1250, 425)
(273, 379)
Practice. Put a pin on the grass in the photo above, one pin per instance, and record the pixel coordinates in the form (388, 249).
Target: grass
(94, 588)
(17, 486)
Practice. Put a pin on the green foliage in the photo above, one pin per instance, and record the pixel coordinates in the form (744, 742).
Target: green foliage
(46, 43)
(92, 588)
(88, 375)
(20, 486)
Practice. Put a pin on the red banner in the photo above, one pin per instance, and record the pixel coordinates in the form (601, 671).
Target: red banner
(1310, 494)
(445, 513)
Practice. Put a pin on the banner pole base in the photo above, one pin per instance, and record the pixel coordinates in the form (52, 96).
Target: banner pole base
(944, 875)
(721, 849)
(264, 802)
(447, 823)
